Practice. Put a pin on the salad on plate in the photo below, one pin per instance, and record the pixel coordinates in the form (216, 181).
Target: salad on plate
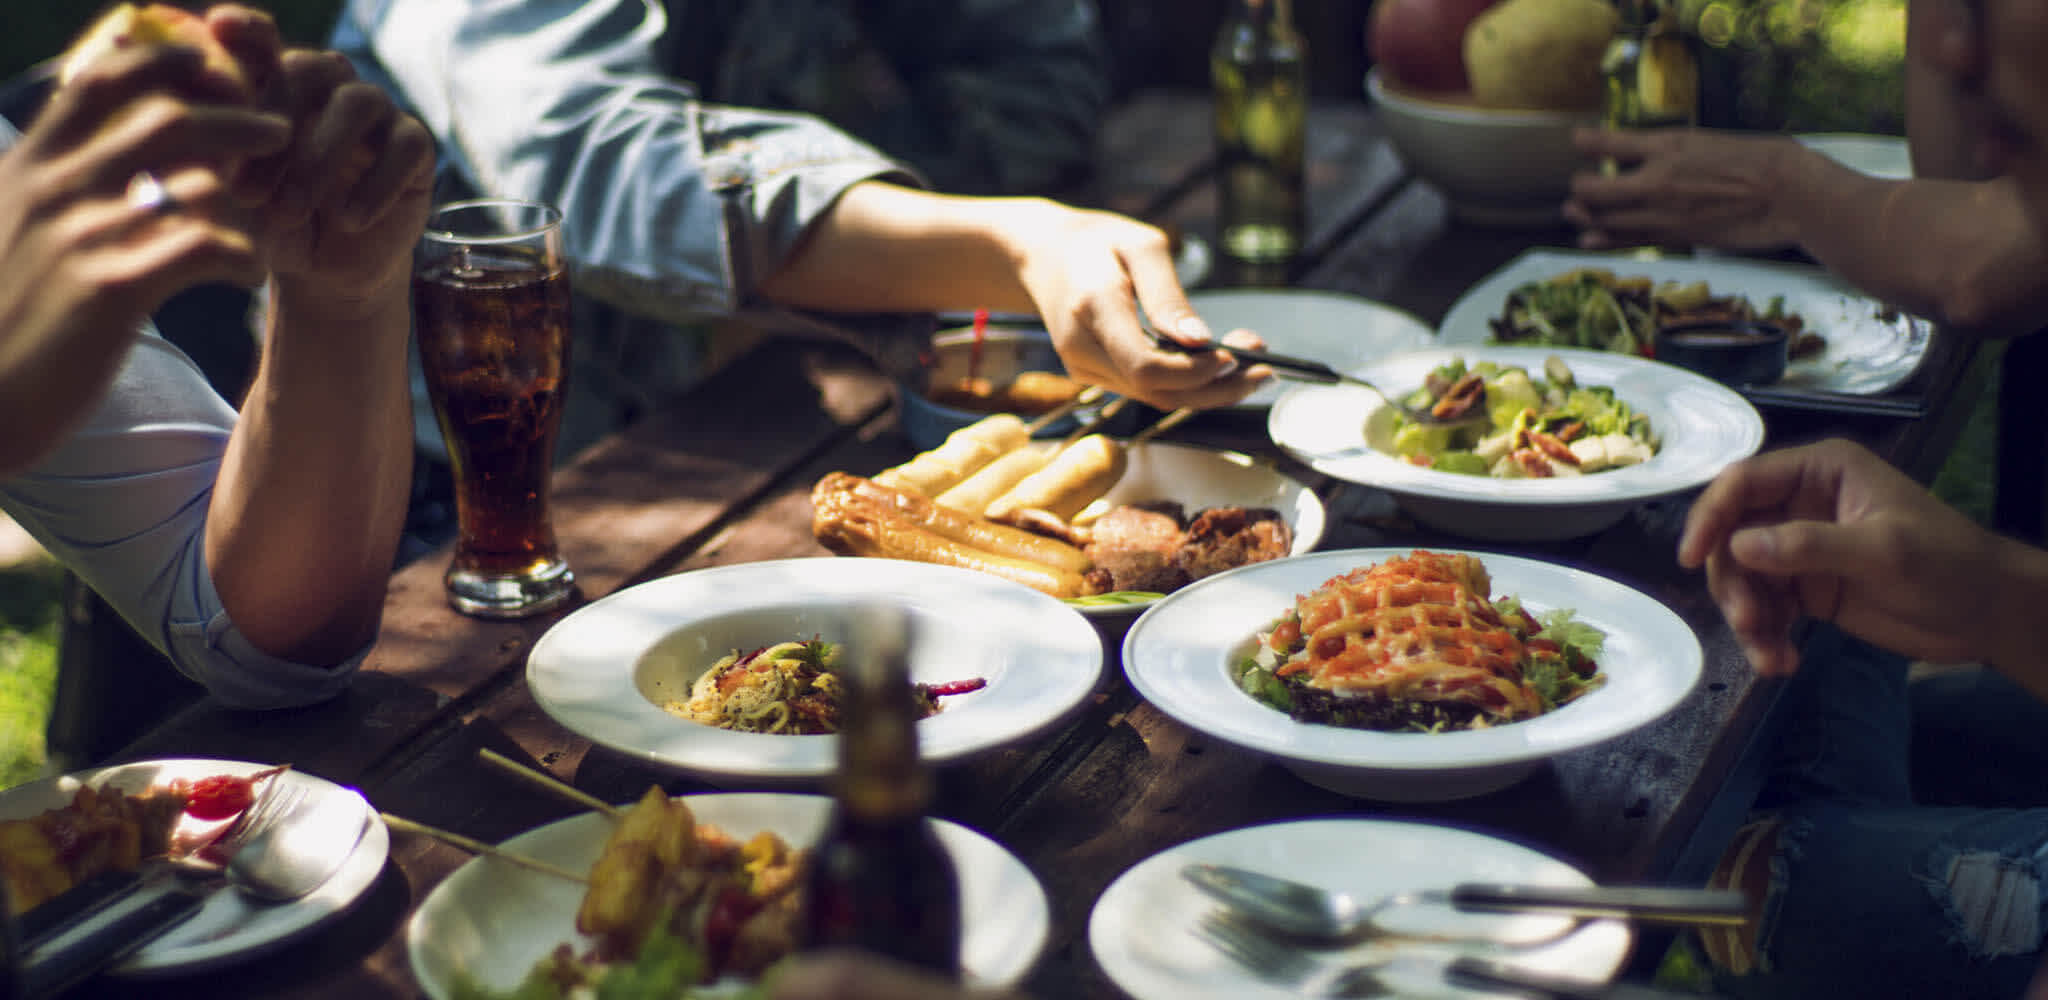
(1539, 425)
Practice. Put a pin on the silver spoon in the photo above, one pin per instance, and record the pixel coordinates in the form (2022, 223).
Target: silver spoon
(1305, 370)
(1307, 911)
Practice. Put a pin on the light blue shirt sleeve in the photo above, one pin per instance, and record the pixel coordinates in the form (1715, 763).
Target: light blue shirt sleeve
(123, 503)
(672, 208)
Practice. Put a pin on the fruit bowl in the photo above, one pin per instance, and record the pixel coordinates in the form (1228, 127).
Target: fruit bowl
(1496, 166)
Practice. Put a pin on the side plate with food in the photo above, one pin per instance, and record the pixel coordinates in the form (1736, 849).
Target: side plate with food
(1863, 347)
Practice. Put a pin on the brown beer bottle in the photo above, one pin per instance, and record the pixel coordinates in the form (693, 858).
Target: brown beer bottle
(879, 879)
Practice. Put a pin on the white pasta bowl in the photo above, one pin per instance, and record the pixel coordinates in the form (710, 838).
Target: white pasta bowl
(607, 670)
(1181, 655)
(1346, 432)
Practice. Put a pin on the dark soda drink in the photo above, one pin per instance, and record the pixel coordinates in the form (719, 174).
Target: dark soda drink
(493, 333)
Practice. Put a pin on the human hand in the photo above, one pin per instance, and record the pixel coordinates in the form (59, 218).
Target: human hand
(1088, 272)
(1831, 531)
(849, 975)
(1684, 187)
(339, 210)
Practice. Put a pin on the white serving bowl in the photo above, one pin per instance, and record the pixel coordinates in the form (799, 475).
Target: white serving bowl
(606, 670)
(1346, 431)
(1496, 166)
(1180, 656)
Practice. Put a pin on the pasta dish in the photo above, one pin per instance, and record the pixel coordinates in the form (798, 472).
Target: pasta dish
(788, 687)
(1418, 643)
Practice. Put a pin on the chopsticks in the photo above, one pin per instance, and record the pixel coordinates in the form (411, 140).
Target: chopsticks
(474, 846)
(1086, 397)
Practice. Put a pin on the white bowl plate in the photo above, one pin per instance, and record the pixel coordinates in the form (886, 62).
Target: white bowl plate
(494, 920)
(606, 670)
(1871, 348)
(1143, 926)
(229, 928)
(1882, 156)
(1180, 655)
(1347, 432)
(1495, 166)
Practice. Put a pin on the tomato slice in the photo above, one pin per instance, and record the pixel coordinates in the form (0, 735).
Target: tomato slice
(219, 797)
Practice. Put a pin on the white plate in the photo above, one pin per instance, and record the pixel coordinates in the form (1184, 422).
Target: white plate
(1870, 349)
(495, 920)
(1346, 431)
(228, 928)
(1206, 477)
(1884, 156)
(1179, 656)
(1342, 331)
(605, 669)
(1143, 927)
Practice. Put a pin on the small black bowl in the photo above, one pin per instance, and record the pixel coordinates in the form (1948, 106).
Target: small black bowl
(1732, 352)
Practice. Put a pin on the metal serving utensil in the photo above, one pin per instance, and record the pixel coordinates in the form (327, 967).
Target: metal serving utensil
(1305, 370)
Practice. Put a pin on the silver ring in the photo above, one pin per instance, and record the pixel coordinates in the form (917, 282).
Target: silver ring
(148, 193)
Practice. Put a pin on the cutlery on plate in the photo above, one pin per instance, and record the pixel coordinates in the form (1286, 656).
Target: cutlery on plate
(1306, 370)
(1309, 911)
(282, 848)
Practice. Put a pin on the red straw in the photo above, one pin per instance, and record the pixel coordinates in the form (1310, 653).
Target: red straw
(980, 332)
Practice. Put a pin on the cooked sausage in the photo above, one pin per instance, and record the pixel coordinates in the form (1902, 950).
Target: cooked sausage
(964, 451)
(855, 525)
(976, 492)
(1081, 472)
(947, 523)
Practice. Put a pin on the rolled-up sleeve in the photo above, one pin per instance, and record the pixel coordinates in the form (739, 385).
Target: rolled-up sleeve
(123, 503)
(673, 209)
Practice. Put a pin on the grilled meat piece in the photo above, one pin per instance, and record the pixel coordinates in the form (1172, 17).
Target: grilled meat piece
(1228, 537)
(1135, 548)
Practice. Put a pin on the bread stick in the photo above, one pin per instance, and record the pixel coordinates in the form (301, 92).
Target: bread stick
(962, 453)
(976, 492)
(1081, 472)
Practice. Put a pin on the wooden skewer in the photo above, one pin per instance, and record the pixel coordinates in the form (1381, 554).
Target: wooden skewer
(550, 783)
(1102, 416)
(1164, 424)
(1086, 397)
(473, 846)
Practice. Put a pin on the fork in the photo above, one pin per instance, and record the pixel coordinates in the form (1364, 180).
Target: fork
(1276, 962)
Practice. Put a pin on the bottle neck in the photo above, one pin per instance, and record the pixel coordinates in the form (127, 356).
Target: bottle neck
(881, 777)
(1266, 12)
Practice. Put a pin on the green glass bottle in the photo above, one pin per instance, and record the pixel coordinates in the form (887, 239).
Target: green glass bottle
(1259, 69)
(1652, 76)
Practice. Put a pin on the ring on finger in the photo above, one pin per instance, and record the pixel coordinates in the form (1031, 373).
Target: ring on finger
(149, 194)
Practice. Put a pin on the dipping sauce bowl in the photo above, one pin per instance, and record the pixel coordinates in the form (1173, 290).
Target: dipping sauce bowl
(1732, 352)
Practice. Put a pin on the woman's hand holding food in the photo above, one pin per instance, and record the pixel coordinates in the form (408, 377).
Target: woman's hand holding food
(1831, 531)
(114, 200)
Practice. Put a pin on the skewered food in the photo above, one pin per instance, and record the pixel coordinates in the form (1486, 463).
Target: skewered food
(962, 453)
(1419, 643)
(1073, 479)
(101, 830)
(861, 517)
(974, 494)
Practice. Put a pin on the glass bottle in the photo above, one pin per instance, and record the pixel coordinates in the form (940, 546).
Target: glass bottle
(1652, 77)
(879, 880)
(1259, 70)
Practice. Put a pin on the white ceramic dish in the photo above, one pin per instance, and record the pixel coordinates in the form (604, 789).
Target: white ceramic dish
(605, 670)
(1870, 348)
(1884, 156)
(229, 928)
(1342, 331)
(1179, 655)
(1143, 927)
(495, 920)
(1495, 166)
(1206, 477)
(1346, 432)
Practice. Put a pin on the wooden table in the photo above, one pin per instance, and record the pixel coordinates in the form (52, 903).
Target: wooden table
(691, 488)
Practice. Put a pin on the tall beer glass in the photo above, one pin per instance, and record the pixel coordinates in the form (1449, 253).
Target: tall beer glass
(491, 313)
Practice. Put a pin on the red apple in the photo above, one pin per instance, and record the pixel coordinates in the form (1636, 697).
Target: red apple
(1420, 44)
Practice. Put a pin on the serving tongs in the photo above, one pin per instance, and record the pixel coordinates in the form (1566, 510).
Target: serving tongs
(1305, 370)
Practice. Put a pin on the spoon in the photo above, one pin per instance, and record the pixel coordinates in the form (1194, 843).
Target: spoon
(1305, 370)
(1309, 911)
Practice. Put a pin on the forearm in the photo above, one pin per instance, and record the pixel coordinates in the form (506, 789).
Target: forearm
(1960, 253)
(304, 521)
(51, 375)
(893, 249)
(2021, 584)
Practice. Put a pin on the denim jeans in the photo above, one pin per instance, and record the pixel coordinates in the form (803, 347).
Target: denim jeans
(1913, 846)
